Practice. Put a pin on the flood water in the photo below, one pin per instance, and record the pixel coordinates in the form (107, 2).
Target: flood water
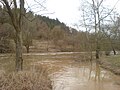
(83, 78)
(68, 72)
(72, 75)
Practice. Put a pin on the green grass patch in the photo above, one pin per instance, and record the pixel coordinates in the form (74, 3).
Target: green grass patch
(113, 60)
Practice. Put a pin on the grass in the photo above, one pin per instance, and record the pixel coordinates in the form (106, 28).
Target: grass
(25, 80)
(114, 60)
(7, 62)
(33, 77)
(111, 63)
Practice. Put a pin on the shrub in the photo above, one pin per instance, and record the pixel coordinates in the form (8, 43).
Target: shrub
(24, 80)
(107, 53)
(5, 46)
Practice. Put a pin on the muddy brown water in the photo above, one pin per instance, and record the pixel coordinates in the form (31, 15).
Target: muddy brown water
(72, 75)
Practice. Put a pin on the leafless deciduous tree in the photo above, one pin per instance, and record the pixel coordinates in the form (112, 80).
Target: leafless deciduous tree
(17, 22)
(94, 13)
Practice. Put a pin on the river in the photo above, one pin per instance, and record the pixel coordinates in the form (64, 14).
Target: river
(72, 75)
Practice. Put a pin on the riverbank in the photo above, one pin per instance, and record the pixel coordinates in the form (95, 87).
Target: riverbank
(111, 63)
(33, 77)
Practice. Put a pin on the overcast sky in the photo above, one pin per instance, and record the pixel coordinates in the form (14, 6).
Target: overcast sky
(67, 10)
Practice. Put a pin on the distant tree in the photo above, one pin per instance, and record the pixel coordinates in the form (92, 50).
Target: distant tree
(57, 35)
(5, 45)
(27, 40)
(41, 28)
(28, 30)
(111, 31)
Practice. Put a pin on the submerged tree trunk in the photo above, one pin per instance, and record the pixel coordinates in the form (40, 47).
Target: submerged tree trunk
(114, 51)
(19, 60)
(27, 48)
(97, 50)
(113, 48)
(97, 54)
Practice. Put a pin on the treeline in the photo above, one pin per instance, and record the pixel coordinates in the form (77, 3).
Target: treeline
(41, 28)
(52, 30)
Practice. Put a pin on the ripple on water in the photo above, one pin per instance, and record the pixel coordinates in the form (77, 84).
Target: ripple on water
(77, 78)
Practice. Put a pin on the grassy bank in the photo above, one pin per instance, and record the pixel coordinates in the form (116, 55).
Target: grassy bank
(33, 77)
(111, 63)
(25, 80)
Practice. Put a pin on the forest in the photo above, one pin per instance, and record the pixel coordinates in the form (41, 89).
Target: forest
(65, 38)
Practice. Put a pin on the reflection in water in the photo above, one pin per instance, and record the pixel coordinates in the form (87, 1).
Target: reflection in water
(83, 77)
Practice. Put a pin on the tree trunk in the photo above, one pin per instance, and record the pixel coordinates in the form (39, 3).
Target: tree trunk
(113, 48)
(17, 24)
(27, 48)
(97, 54)
(114, 51)
(19, 59)
(97, 51)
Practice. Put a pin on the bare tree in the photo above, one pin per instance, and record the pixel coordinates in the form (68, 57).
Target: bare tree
(111, 31)
(95, 14)
(17, 22)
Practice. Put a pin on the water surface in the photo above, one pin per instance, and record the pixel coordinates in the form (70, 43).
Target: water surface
(72, 75)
